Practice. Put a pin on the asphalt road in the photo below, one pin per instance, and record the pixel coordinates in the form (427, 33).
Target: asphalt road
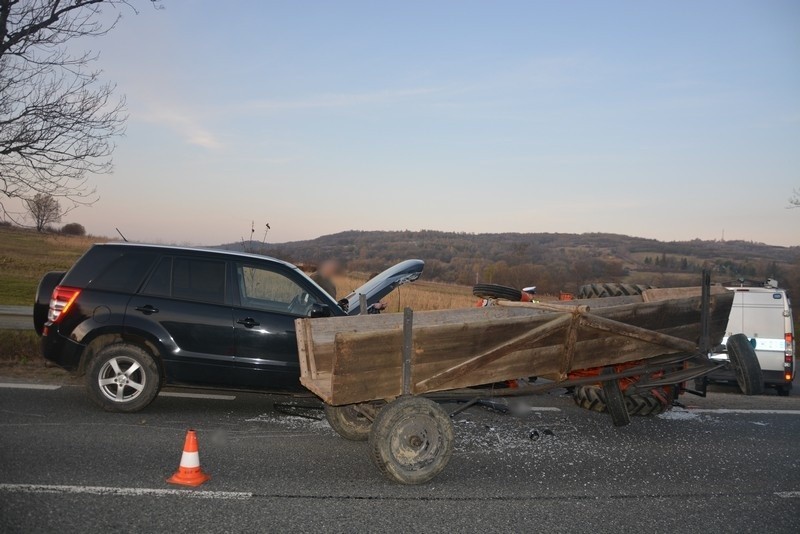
(66, 466)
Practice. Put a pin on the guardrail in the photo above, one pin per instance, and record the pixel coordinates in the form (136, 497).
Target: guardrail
(16, 317)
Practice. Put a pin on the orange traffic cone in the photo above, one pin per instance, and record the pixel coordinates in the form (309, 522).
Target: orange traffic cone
(189, 472)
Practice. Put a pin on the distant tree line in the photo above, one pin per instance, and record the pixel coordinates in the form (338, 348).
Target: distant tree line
(552, 262)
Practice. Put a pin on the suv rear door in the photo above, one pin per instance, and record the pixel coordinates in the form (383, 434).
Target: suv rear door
(185, 302)
(271, 297)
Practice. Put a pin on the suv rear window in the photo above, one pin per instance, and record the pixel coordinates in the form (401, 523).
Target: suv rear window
(188, 278)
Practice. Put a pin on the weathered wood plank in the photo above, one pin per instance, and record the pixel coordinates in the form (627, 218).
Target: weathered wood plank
(503, 349)
(570, 342)
(648, 336)
(544, 306)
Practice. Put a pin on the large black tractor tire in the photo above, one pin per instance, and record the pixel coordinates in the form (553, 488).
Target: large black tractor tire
(122, 378)
(593, 291)
(494, 291)
(348, 422)
(411, 440)
(645, 404)
(745, 364)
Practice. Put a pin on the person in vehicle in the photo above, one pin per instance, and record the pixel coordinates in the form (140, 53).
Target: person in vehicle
(324, 274)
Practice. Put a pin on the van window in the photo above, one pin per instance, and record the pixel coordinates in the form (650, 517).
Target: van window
(202, 280)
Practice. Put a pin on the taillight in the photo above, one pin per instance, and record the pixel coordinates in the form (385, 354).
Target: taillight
(788, 359)
(60, 302)
(788, 338)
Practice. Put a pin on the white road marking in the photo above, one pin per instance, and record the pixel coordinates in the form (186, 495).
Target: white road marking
(15, 385)
(543, 409)
(742, 411)
(788, 494)
(196, 395)
(126, 492)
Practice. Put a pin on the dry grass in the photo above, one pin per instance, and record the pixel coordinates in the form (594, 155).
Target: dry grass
(25, 256)
(419, 295)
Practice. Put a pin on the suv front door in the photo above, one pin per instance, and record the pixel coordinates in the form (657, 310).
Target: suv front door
(270, 299)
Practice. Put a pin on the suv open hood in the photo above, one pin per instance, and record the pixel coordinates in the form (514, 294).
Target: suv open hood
(384, 283)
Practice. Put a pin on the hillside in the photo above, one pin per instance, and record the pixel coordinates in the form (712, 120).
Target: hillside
(554, 262)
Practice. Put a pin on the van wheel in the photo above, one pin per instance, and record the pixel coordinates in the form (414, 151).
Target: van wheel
(784, 390)
(745, 364)
(122, 378)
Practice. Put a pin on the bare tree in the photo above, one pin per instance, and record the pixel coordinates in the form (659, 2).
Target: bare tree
(57, 119)
(44, 210)
(794, 201)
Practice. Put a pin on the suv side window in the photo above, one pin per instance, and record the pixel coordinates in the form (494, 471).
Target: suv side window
(124, 273)
(188, 278)
(159, 284)
(268, 290)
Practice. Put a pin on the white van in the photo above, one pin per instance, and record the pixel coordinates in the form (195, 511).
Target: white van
(764, 315)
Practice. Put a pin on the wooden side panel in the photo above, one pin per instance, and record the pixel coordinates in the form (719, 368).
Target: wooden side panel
(355, 359)
(367, 366)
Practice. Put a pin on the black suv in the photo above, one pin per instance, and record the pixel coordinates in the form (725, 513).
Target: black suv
(135, 317)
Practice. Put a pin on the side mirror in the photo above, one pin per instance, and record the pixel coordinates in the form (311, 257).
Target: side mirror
(319, 310)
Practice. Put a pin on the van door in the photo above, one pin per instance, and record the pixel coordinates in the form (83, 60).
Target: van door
(762, 321)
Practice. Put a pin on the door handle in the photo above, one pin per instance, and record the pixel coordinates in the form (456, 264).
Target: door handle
(147, 310)
(248, 322)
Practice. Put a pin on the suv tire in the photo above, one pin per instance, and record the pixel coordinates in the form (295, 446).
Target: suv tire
(122, 378)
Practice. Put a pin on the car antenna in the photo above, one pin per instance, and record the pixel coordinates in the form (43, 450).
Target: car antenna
(120, 234)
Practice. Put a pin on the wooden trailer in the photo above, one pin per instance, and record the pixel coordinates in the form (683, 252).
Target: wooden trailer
(378, 374)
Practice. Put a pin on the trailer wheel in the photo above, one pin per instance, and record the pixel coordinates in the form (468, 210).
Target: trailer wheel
(411, 440)
(745, 364)
(494, 291)
(592, 291)
(615, 400)
(348, 422)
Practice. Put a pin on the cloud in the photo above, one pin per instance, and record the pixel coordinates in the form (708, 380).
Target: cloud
(184, 124)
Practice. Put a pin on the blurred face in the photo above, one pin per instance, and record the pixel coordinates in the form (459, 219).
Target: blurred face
(329, 268)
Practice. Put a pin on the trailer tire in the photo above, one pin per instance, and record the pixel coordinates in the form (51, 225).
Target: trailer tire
(348, 422)
(745, 364)
(593, 291)
(411, 440)
(645, 404)
(494, 291)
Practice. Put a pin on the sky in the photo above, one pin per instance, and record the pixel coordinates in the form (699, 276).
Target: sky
(670, 120)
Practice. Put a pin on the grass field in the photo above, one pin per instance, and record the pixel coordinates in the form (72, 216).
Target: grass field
(419, 296)
(25, 255)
